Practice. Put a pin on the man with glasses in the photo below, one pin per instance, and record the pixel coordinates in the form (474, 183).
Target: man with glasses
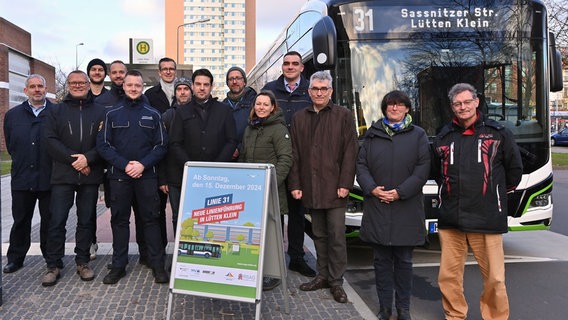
(324, 149)
(30, 171)
(77, 171)
(161, 97)
(291, 91)
(240, 98)
(476, 164)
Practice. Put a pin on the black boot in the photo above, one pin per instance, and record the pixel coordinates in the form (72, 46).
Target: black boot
(403, 314)
(384, 314)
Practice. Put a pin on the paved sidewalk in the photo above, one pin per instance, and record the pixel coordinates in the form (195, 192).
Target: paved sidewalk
(136, 296)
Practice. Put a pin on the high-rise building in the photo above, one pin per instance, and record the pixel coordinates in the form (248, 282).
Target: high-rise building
(212, 34)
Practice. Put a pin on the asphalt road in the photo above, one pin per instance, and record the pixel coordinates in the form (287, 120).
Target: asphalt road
(536, 265)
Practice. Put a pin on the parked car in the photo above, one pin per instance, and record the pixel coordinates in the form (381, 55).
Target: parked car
(559, 138)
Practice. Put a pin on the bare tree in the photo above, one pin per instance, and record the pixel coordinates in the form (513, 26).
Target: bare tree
(558, 23)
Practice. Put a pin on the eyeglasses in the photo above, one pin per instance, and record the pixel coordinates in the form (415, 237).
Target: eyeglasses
(466, 103)
(323, 90)
(235, 79)
(396, 104)
(168, 69)
(77, 83)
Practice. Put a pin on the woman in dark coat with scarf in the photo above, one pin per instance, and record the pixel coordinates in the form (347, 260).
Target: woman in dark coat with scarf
(392, 166)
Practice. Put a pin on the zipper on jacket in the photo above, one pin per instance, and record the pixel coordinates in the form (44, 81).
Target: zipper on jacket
(498, 198)
(81, 121)
(452, 153)
(478, 150)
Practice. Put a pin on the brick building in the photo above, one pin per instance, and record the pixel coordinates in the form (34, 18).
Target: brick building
(16, 64)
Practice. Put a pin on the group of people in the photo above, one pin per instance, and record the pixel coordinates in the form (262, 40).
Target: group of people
(60, 154)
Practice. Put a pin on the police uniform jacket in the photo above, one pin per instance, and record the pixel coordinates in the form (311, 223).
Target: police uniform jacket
(132, 130)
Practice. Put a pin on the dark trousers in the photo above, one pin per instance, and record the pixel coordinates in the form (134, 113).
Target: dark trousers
(328, 226)
(175, 198)
(139, 225)
(145, 191)
(62, 198)
(296, 225)
(393, 272)
(23, 206)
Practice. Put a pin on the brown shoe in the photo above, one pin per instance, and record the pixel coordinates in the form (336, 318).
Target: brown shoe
(339, 294)
(85, 272)
(50, 277)
(316, 284)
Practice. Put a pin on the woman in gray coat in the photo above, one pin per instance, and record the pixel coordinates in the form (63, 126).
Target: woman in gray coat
(392, 166)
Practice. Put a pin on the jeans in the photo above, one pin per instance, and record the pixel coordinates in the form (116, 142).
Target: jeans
(23, 206)
(62, 198)
(393, 271)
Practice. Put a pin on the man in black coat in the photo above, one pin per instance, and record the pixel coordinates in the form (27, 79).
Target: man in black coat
(71, 134)
(161, 97)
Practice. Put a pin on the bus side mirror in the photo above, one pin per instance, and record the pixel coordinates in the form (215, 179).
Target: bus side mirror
(555, 64)
(324, 43)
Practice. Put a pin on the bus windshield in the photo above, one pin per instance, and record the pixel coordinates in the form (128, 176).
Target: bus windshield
(426, 62)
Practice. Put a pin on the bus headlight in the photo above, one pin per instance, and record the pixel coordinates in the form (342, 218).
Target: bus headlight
(542, 200)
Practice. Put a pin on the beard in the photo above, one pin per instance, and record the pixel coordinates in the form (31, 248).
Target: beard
(98, 82)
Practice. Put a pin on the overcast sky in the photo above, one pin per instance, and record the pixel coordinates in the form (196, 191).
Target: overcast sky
(104, 26)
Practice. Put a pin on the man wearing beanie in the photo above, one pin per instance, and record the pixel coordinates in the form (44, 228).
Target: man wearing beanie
(97, 71)
(170, 174)
(240, 98)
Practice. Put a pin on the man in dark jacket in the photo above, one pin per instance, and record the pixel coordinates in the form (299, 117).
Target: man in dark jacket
(205, 129)
(240, 98)
(71, 132)
(324, 148)
(161, 97)
(109, 99)
(132, 141)
(171, 174)
(477, 162)
(31, 170)
(291, 91)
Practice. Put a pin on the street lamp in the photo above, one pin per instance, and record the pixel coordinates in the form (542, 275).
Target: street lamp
(76, 55)
(177, 34)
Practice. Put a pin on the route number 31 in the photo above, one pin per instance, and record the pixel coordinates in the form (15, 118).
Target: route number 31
(363, 20)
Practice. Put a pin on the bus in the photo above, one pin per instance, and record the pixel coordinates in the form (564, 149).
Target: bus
(423, 47)
(200, 249)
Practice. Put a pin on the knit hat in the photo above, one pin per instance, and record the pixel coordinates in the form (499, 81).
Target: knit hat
(97, 62)
(236, 69)
(180, 81)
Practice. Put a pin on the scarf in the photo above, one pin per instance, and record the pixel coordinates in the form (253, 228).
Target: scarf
(168, 89)
(393, 128)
